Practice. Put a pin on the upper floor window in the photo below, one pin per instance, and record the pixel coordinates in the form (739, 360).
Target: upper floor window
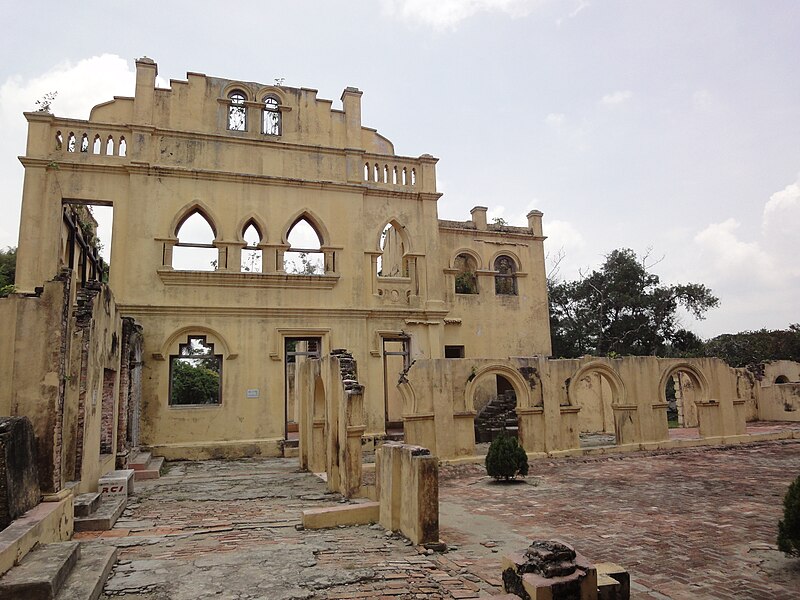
(466, 280)
(505, 276)
(305, 255)
(195, 250)
(237, 111)
(251, 253)
(195, 373)
(392, 261)
(271, 121)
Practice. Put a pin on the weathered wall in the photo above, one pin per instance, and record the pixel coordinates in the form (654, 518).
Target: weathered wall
(557, 399)
(780, 402)
(19, 479)
(61, 352)
(344, 179)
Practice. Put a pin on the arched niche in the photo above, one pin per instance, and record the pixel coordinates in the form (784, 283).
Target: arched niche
(689, 385)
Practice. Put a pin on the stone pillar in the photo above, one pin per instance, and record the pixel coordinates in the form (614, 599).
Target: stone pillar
(144, 99)
(626, 424)
(549, 570)
(351, 428)
(708, 414)
(569, 429)
(479, 217)
(531, 428)
(407, 478)
(535, 222)
(351, 103)
(388, 482)
(419, 517)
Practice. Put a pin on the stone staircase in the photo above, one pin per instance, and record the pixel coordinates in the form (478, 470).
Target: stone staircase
(497, 416)
(93, 512)
(60, 571)
(145, 465)
(98, 511)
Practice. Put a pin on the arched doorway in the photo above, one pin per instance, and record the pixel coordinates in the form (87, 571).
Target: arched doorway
(495, 402)
(596, 389)
(682, 386)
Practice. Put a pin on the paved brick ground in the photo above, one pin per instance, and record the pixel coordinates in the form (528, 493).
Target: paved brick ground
(696, 523)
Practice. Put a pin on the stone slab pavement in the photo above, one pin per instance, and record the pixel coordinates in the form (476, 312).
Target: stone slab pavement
(229, 530)
(694, 523)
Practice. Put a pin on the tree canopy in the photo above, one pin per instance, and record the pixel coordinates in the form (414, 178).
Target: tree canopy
(623, 308)
(754, 347)
(8, 266)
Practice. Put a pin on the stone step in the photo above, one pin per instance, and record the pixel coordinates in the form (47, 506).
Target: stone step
(139, 461)
(86, 504)
(151, 471)
(41, 573)
(104, 517)
(90, 573)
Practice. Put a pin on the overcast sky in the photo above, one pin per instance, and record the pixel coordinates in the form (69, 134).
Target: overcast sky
(670, 125)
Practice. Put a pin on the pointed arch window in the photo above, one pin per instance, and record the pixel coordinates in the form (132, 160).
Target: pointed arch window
(237, 111)
(195, 249)
(505, 276)
(251, 253)
(466, 281)
(271, 117)
(195, 373)
(305, 255)
(392, 261)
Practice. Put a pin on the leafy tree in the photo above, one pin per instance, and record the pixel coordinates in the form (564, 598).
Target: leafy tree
(754, 347)
(623, 308)
(8, 266)
(195, 381)
(789, 527)
(506, 458)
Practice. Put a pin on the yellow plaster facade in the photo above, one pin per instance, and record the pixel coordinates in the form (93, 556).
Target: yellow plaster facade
(394, 283)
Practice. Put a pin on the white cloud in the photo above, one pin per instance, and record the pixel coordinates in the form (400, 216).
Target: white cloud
(783, 208)
(446, 14)
(575, 12)
(555, 119)
(565, 234)
(728, 257)
(702, 100)
(757, 279)
(616, 98)
(80, 86)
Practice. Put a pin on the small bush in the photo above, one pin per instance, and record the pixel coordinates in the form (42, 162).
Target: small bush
(789, 528)
(506, 458)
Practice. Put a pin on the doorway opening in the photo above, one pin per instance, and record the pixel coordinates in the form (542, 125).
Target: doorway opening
(396, 359)
(296, 351)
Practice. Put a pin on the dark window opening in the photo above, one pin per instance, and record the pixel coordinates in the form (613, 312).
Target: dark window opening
(466, 280)
(454, 351)
(505, 277)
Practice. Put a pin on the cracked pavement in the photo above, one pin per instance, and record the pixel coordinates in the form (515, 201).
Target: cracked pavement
(688, 524)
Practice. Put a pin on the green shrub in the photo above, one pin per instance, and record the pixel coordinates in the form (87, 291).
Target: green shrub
(789, 528)
(506, 458)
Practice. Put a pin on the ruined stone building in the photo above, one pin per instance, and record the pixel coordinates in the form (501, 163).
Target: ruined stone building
(256, 227)
(253, 226)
